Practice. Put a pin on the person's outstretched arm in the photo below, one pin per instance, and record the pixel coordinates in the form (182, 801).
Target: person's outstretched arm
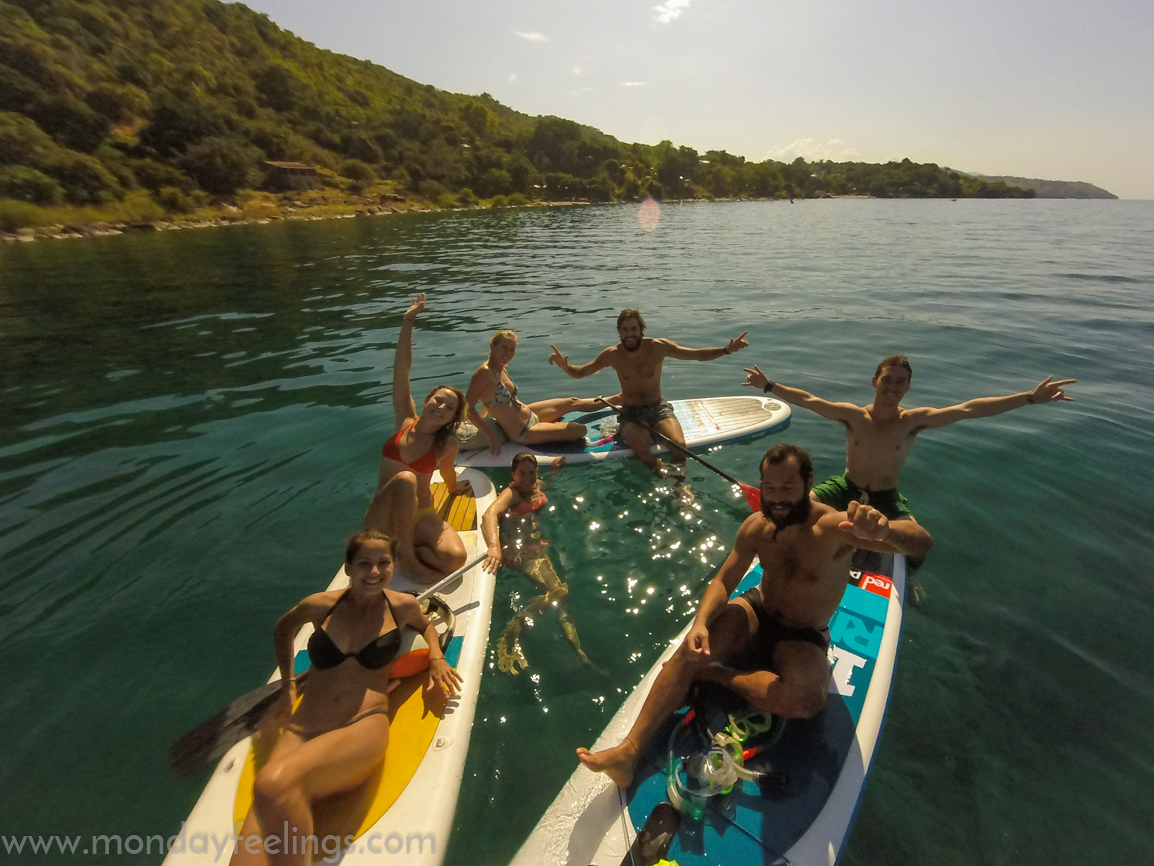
(683, 353)
(580, 371)
(863, 526)
(841, 412)
(403, 403)
(1048, 391)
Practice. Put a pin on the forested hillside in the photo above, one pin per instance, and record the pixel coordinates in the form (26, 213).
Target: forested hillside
(143, 109)
(1052, 188)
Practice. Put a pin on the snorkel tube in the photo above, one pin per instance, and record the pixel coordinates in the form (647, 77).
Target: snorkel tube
(700, 767)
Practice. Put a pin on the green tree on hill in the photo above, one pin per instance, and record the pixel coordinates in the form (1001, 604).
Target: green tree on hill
(106, 99)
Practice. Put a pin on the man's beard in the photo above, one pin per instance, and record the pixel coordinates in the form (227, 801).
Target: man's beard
(625, 344)
(798, 513)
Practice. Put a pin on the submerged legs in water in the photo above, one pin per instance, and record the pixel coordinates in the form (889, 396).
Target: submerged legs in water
(510, 655)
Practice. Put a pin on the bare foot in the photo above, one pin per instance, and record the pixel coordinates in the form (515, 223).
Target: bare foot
(509, 658)
(618, 763)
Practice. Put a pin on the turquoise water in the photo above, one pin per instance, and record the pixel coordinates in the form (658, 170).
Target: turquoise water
(192, 423)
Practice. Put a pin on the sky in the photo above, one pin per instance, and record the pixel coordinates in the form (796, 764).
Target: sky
(1060, 90)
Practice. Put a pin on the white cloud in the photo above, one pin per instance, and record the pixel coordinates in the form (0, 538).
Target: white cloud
(670, 10)
(812, 150)
(580, 91)
(576, 70)
(631, 84)
(532, 37)
(512, 76)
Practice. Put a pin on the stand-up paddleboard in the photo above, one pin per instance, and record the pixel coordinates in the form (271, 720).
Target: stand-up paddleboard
(819, 765)
(711, 421)
(406, 807)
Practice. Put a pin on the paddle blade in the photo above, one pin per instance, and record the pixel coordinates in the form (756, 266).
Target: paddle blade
(752, 496)
(223, 730)
(652, 843)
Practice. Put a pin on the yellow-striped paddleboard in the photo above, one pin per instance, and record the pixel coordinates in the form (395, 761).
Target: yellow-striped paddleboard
(406, 807)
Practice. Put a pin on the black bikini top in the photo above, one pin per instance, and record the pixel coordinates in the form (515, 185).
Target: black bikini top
(325, 654)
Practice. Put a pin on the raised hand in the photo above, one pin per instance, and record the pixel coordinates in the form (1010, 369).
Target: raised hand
(557, 358)
(1049, 391)
(866, 522)
(755, 378)
(415, 307)
(737, 344)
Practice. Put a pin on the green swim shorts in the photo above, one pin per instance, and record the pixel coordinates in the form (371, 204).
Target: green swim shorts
(838, 491)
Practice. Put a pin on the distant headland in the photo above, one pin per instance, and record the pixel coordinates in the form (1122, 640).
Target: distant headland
(169, 113)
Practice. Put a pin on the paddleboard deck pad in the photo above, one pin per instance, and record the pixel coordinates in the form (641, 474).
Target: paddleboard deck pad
(406, 806)
(802, 814)
(711, 421)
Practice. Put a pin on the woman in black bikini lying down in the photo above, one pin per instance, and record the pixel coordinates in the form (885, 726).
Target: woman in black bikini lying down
(336, 737)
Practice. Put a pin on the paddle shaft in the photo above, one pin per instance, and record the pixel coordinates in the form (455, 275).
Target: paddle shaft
(445, 581)
(678, 446)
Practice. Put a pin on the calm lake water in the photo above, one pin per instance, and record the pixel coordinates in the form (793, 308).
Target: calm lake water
(192, 423)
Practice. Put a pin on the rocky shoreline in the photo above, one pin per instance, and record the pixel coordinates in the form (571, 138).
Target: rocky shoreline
(106, 229)
(232, 216)
(236, 218)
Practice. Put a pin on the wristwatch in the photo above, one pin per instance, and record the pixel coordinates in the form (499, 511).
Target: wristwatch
(769, 386)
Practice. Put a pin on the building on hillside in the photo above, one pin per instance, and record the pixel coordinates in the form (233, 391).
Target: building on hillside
(293, 175)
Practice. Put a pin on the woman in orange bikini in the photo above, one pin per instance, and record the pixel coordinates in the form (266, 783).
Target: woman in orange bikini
(516, 509)
(505, 417)
(336, 736)
(427, 547)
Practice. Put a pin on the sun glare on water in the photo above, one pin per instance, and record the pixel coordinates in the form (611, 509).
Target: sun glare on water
(649, 214)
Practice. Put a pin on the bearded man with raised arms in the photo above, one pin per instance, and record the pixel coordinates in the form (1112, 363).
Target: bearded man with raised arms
(879, 437)
(637, 360)
(770, 644)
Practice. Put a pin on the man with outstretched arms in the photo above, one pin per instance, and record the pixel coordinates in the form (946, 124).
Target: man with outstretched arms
(637, 360)
(769, 645)
(879, 437)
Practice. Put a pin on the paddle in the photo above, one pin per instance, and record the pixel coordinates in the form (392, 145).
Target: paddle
(227, 727)
(752, 494)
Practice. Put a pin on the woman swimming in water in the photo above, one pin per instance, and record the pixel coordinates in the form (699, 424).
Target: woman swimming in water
(336, 736)
(505, 417)
(516, 510)
(428, 548)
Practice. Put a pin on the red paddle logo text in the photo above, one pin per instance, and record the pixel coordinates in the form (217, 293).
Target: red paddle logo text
(878, 584)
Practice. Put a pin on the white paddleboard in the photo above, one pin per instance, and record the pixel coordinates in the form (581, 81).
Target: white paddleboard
(406, 808)
(711, 421)
(826, 759)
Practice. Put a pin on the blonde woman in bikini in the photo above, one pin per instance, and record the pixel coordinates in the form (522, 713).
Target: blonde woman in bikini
(428, 548)
(503, 417)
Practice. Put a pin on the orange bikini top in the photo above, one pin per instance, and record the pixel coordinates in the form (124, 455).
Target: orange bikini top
(423, 465)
